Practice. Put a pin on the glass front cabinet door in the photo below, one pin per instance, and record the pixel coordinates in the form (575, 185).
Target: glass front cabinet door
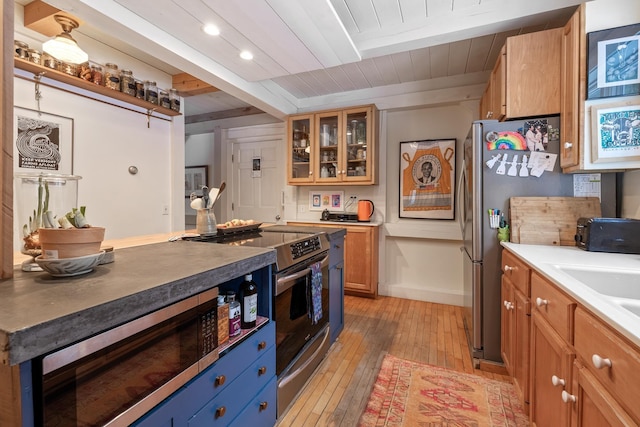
(339, 149)
(300, 149)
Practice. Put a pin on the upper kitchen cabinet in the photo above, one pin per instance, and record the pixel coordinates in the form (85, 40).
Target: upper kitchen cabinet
(525, 79)
(336, 147)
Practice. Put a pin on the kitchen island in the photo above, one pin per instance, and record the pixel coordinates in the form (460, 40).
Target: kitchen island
(41, 314)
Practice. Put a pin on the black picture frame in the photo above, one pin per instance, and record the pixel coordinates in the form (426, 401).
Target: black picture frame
(427, 179)
(613, 69)
(194, 178)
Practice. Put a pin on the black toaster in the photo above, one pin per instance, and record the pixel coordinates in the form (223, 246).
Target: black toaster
(620, 235)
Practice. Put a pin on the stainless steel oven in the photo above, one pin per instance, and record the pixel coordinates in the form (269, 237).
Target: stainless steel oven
(115, 377)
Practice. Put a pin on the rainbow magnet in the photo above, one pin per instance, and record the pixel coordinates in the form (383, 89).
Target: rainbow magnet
(505, 141)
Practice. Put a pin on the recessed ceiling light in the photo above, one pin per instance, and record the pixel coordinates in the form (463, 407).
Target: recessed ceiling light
(245, 54)
(211, 29)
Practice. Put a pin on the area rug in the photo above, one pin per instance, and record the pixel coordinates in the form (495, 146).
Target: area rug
(412, 394)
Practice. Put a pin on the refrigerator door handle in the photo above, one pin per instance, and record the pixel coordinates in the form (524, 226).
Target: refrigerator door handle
(462, 210)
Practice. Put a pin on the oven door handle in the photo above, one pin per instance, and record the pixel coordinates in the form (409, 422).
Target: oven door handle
(286, 282)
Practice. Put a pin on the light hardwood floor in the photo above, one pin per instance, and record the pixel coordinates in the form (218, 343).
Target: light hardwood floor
(425, 332)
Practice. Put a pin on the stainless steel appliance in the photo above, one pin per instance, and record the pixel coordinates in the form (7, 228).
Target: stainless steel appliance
(617, 235)
(117, 376)
(480, 188)
(301, 340)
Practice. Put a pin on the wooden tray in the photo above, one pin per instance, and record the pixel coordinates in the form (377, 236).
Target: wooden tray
(227, 231)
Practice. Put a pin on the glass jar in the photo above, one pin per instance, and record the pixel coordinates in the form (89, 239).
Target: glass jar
(111, 76)
(96, 75)
(49, 61)
(20, 49)
(164, 100)
(67, 68)
(127, 82)
(139, 89)
(84, 71)
(34, 56)
(174, 97)
(151, 92)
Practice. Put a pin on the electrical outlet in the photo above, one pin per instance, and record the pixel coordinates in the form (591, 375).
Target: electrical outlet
(301, 209)
(165, 210)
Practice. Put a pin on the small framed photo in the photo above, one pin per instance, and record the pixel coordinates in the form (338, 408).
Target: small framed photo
(194, 178)
(330, 200)
(616, 129)
(43, 142)
(613, 68)
(427, 178)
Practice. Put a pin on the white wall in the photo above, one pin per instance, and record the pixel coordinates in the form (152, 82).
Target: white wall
(199, 151)
(108, 137)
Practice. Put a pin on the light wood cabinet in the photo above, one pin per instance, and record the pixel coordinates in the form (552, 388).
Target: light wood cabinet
(516, 323)
(335, 147)
(571, 91)
(361, 251)
(525, 79)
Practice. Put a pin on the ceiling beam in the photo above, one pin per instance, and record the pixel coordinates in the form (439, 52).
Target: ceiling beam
(187, 85)
(38, 16)
(236, 112)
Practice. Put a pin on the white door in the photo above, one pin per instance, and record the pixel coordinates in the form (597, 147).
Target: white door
(258, 172)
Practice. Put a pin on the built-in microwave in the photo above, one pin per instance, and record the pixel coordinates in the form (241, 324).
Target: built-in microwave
(117, 376)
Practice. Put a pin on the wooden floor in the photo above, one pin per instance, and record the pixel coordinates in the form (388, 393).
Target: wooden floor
(425, 332)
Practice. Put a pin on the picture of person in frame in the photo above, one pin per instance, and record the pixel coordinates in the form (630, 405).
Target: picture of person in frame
(427, 173)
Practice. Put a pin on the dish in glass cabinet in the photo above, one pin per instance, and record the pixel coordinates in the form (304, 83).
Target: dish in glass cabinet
(67, 267)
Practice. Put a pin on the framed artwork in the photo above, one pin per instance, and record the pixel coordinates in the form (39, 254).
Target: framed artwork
(43, 142)
(616, 129)
(331, 200)
(612, 62)
(427, 178)
(194, 178)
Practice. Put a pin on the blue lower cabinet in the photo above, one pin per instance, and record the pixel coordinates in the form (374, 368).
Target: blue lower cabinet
(227, 405)
(261, 411)
(168, 414)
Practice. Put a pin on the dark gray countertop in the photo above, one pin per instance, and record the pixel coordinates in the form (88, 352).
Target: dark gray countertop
(329, 231)
(40, 313)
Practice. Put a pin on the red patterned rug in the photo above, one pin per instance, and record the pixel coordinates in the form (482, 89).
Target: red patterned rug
(412, 394)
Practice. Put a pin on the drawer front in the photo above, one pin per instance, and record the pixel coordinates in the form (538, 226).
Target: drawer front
(261, 411)
(556, 307)
(218, 377)
(227, 405)
(594, 339)
(517, 271)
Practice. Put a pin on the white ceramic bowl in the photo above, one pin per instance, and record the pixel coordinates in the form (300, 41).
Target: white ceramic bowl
(65, 267)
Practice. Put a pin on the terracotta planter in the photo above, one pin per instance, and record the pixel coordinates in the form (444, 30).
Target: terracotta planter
(70, 243)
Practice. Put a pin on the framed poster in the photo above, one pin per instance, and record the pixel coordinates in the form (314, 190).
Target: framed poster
(616, 129)
(43, 142)
(194, 178)
(612, 62)
(331, 200)
(427, 177)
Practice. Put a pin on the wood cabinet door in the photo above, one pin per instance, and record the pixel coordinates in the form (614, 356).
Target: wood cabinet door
(506, 324)
(570, 93)
(300, 154)
(521, 347)
(361, 260)
(533, 74)
(497, 84)
(551, 357)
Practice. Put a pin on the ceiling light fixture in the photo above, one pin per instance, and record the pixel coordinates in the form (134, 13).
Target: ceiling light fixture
(245, 54)
(63, 47)
(211, 29)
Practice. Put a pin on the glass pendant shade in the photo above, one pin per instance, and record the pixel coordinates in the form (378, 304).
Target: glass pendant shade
(63, 47)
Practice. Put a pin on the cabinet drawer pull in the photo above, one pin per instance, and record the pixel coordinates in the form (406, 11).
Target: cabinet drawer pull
(600, 362)
(263, 405)
(556, 381)
(541, 302)
(509, 268)
(262, 345)
(221, 411)
(220, 379)
(568, 145)
(262, 370)
(568, 398)
(508, 305)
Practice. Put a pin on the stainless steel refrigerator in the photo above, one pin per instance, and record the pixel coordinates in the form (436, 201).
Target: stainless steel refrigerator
(480, 188)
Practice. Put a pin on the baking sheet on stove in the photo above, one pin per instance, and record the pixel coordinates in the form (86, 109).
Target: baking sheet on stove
(225, 231)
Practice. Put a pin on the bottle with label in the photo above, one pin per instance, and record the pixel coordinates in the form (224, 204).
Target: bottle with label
(223, 320)
(249, 302)
(234, 314)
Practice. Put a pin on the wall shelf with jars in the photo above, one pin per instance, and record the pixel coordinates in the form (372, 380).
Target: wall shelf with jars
(74, 80)
(333, 147)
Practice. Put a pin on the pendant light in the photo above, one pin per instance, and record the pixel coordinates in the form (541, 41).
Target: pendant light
(63, 47)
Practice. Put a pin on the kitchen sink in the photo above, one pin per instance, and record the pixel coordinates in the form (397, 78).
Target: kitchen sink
(617, 283)
(633, 308)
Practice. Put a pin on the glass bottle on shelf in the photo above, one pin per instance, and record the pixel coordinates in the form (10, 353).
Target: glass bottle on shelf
(300, 150)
